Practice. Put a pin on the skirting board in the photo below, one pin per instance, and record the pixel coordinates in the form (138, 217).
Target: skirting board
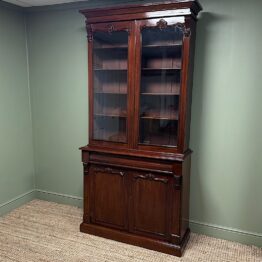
(231, 234)
(16, 202)
(217, 231)
(59, 198)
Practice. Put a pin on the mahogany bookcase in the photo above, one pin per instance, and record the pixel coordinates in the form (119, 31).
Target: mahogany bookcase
(137, 162)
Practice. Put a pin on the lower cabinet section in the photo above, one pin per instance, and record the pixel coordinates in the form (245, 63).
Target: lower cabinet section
(143, 208)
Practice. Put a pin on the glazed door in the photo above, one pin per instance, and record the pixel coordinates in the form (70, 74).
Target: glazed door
(150, 204)
(109, 83)
(109, 204)
(159, 80)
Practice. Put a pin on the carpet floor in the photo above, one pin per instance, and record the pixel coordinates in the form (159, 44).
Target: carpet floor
(45, 231)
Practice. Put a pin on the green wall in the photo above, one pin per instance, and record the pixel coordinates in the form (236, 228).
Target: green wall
(16, 149)
(226, 127)
(226, 118)
(58, 79)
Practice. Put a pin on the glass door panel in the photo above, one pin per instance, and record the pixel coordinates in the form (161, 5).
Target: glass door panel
(161, 62)
(110, 78)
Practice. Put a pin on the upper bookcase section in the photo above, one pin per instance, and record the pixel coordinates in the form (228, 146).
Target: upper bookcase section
(144, 11)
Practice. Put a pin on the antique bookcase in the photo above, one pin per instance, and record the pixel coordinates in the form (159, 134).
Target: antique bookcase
(137, 162)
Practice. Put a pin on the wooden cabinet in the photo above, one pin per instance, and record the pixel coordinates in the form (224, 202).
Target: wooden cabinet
(137, 162)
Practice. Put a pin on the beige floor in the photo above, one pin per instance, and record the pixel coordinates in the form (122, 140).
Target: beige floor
(44, 231)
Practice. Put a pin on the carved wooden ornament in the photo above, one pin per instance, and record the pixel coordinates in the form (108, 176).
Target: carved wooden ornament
(162, 24)
(110, 28)
(89, 33)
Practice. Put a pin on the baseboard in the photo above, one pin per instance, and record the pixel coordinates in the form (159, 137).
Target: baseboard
(59, 198)
(217, 231)
(16, 202)
(231, 234)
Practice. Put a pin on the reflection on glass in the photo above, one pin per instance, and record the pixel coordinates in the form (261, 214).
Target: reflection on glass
(110, 85)
(160, 86)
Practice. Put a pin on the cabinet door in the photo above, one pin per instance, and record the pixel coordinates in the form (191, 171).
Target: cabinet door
(109, 197)
(109, 84)
(150, 204)
(159, 78)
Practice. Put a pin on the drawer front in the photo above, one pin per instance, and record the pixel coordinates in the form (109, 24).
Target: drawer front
(164, 167)
(109, 196)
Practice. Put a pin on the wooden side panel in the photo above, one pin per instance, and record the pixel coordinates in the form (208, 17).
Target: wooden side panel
(184, 87)
(185, 196)
(86, 187)
(176, 204)
(109, 197)
(87, 190)
(192, 25)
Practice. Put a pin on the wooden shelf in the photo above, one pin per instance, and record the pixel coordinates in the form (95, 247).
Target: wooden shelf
(110, 112)
(167, 69)
(173, 51)
(165, 44)
(111, 115)
(111, 69)
(110, 93)
(160, 70)
(111, 47)
(160, 94)
(175, 44)
(113, 137)
(164, 139)
(118, 137)
(160, 116)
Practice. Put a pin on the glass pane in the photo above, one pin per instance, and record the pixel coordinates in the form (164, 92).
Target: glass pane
(160, 85)
(110, 86)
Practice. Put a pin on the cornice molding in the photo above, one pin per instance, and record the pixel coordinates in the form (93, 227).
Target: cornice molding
(143, 7)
